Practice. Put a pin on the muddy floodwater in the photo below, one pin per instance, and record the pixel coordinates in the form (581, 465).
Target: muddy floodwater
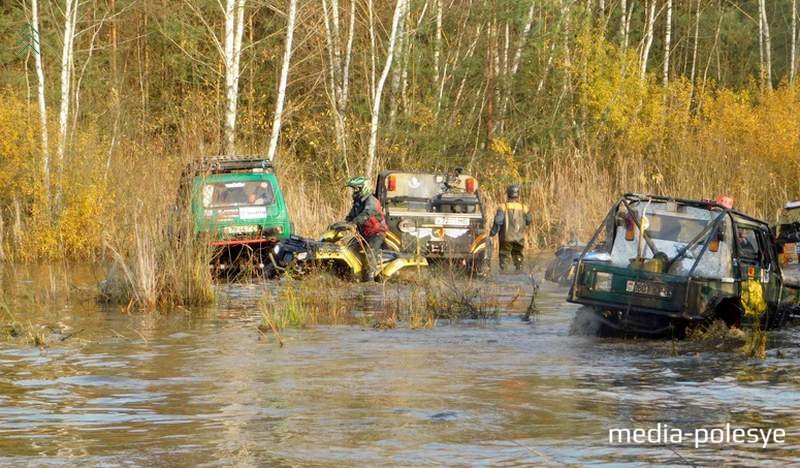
(194, 387)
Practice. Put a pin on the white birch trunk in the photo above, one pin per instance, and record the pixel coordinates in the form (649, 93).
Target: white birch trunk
(402, 43)
(339, 69)
(42, 112)
(517, 59)
(287, 57)
(627, 37)
(70, 18)
(793, 53)
(351, 29)
(334, 78)
(234, 31)
(623, 30)
(229, 124)
(376, 100)
(648, 40)
(767, 43)
(667, 43)
(372, 49)
(550, 56)
(761, 66)
(696, 41)
(437, 48)
(66, 75)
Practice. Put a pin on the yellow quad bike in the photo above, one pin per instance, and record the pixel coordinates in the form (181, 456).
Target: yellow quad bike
(338, 250)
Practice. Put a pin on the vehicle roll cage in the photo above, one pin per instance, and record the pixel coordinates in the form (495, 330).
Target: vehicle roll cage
(706, 233)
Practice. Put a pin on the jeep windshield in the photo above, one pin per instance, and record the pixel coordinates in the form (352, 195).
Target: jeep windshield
(683, 235)
(237, 193)
(431, 193)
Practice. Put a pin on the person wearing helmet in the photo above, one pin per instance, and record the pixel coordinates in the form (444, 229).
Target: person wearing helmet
(368, 216)
(511, 221)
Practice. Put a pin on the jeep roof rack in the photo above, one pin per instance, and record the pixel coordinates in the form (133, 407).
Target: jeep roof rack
(233, 163)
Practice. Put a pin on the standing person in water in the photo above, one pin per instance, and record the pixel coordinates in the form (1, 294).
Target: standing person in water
(511, 222)
(368, 216)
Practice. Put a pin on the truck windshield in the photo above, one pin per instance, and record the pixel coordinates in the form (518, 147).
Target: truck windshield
(226, 194)
(430, 192)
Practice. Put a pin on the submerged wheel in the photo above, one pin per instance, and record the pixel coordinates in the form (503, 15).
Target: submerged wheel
(586, 322)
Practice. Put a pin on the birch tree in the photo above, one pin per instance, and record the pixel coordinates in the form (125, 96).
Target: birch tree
(70, 18)
(379, 85)
(512, 72)
(234, 31)
(42, 111)
(287, 57)
(339, 68)
(696, 42)
(437, 48)
(793, 53)
(401, 51)
(648, 39)
(667, 43)
(625, 23)
(765, 45)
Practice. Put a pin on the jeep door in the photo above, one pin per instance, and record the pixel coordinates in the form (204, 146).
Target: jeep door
(758, 259)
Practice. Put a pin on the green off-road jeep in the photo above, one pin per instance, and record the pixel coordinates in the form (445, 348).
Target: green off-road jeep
(438, 216)
(658, 264)
(238, 206)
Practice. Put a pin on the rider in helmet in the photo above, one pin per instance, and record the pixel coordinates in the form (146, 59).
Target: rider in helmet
(368, 216)
(510, 221)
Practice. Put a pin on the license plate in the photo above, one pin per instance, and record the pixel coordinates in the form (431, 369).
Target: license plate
(647, 288)
(447, 221)
(246, 229)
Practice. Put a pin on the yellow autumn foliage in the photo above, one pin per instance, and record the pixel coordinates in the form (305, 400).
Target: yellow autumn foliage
(76, 230)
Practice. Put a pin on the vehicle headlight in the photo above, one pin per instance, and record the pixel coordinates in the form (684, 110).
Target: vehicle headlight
(406, 226)
(602, 281)
(276, 249)
(302, 255)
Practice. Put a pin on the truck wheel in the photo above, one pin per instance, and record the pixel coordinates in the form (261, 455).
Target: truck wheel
(270, 272)
(586, 322)
(477, 267)
(781, 316)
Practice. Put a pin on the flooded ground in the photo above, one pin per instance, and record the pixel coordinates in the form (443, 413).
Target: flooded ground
(202, 387)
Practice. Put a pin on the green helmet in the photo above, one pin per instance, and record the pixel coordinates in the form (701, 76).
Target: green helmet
(357, 182)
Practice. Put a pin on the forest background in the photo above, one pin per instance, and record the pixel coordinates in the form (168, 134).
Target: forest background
(578, 100)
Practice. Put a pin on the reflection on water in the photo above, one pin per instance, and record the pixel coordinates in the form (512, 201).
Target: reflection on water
(201, 387)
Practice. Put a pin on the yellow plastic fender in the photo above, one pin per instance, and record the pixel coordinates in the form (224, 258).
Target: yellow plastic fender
(392, 241)
(391, 267)
(346, 255)
(478, 244)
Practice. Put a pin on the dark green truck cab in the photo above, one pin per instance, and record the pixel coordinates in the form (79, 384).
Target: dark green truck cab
(697, 261)
(237, 205)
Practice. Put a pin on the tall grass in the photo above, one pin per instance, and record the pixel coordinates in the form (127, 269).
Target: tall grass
(319, 299)
(165, 265)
